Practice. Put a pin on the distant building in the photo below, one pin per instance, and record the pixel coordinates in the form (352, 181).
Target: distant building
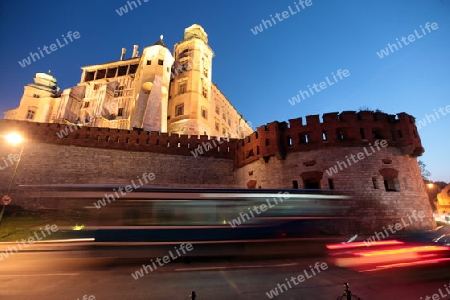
(155, 91)
(443, 204)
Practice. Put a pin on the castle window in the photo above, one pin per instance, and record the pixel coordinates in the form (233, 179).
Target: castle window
(97, 86)
(217, 110)
(183, 53)
(303, 138)
(160, 62)
(206, 72)
(100, 74)
(217, 126)
(89, 76)
(391, 185)
(179, 110)
(289, 142)
(204, 114)
(184, 66)
(149, 62)
(119, 91)
(120, 112)
(390, 179)
(36, 96)
(133, 69)
(111, 73)
(122, 70)
(324, 136)
(182, 87)
(205, 92)
(30, 114)
(267, 142)
(340, 134)
(376, 135)
(363, 135)
(86, 104)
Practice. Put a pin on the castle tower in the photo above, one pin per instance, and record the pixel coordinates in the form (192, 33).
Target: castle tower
(152, 88)
(38, 100)
(190, 90)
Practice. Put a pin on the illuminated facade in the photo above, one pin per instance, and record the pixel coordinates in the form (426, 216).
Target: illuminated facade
(443, 202)
(155, 91)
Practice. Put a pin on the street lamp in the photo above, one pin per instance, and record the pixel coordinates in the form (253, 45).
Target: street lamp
(14, 139)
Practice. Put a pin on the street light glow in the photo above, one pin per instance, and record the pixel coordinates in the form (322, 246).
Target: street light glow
(14, 138)
(430, 185)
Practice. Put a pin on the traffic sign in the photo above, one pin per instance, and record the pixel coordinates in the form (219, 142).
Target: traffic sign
(6, 200)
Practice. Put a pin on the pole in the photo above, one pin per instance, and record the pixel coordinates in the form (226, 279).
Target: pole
(11, 182)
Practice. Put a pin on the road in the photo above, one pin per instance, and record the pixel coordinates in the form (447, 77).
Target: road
(74, 274)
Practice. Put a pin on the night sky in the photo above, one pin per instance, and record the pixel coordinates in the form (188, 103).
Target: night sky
(260, 72)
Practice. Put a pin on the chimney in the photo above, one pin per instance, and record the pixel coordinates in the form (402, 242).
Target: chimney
(122, 56)
(135, 51)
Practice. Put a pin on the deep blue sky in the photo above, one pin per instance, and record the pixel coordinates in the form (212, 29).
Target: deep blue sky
(258, 73)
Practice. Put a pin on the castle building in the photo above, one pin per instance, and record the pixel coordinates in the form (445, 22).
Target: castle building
(154, 91)
(156, 112)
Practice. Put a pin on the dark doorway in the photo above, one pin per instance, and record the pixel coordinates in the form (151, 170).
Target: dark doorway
(311, 184)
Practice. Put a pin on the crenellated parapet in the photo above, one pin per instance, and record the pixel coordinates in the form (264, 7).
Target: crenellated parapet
(347, 129)
(131, 140)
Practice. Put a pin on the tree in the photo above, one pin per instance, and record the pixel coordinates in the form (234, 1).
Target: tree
(423, 170)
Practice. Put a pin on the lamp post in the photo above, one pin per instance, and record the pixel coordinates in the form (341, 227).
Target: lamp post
(14, 139)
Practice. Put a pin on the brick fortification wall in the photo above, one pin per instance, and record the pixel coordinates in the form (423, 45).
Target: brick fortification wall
(278, 155)
(285, 155)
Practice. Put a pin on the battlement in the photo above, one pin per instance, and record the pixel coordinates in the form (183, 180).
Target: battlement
(347, 129)
(132, 140)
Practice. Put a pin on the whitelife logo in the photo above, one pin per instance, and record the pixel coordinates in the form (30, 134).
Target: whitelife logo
(430, 118)
(360, 156)
(398, 227)
(31, 240)
(124, 9)
(128, 189)
(165, 260)
(207, 146)
(53, 47)
(11, 158)
(235, 222)
(323, 85)
(284, 15)
(300, 278)
(411, 38)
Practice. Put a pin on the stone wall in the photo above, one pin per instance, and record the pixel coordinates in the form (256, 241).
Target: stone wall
(277, 155)
(372, 208)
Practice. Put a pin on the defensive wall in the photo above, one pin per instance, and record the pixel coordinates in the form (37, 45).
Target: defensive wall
(385, 182)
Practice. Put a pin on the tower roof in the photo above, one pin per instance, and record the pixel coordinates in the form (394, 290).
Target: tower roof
(160, 42)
